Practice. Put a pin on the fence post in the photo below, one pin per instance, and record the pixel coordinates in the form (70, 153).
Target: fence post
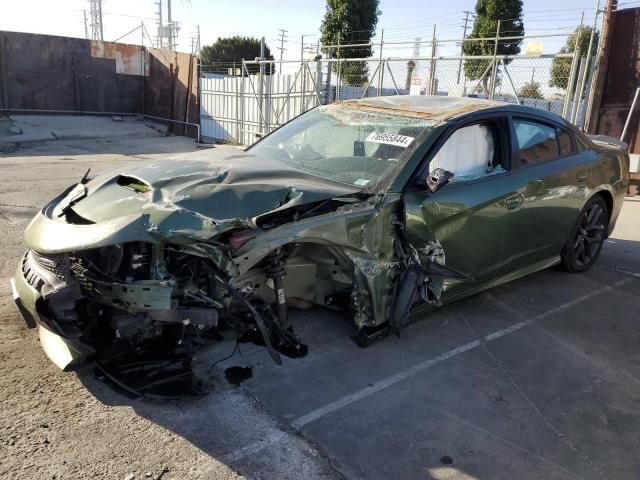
(432, 65)
(328, 91)
(494, 69)
(572, 74)
(589, 67)
(380, 65)
(581, 123)
(242, 136)
(302, 74)
(261, 88)
(237, 109)
(339, 72)
(318, 78)
(593, 80)
(577, 93)
(267, 108)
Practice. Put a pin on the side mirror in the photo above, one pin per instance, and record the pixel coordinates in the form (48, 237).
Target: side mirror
(438, 178)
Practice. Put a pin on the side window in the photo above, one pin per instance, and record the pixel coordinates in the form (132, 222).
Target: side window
(469, 153)
(565, 142)
(536, 142)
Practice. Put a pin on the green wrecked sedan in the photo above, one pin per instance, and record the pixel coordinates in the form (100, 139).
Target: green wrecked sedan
(379, 208)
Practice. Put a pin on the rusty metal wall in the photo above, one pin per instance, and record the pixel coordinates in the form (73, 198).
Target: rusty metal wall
(47, 72)
(172, 88)
(621, 79)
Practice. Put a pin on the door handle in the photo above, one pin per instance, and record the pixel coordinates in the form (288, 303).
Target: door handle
(514, 202)
(582, 176)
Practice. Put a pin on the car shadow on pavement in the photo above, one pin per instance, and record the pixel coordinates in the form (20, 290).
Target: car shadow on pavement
(231, 424)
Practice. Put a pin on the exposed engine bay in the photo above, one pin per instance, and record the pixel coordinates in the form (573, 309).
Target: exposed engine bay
(162, 302)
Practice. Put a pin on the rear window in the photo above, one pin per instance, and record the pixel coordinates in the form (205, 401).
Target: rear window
(537, 142)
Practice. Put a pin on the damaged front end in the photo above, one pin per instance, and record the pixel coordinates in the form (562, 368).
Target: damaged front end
(141, 270)
(141, 290)
(139, 305)
(142, 298)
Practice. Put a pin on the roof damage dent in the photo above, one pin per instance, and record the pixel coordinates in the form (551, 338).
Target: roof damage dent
(439, 109)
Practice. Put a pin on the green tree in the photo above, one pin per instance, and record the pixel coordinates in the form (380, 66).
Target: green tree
(350, 22)
(488, 12)
(530, 90)
(561, 66)
(225, 52)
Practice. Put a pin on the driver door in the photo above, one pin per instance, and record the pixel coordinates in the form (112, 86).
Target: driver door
(469, 215)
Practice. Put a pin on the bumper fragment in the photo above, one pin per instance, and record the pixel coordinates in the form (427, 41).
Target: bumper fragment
(26, 314)
(62, 351)
(57, 349)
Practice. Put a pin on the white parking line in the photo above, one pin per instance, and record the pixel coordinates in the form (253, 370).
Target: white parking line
(400, 376)
(626, 272)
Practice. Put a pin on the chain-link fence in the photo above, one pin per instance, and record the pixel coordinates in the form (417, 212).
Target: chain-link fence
(242, 101)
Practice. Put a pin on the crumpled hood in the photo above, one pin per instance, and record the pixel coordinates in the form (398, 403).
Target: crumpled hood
(213, 190)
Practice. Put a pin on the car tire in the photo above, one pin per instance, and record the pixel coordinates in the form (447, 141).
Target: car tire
(587, 236)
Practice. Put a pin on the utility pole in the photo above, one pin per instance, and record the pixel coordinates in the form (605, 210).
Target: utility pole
(464, 35)
(169, 25)
(283, 36)
(261, 122)
(380, 64)
(602, 63)
(95, 11)
(195, 42)
(172, 29)
(159, 39)
(167, 34)
(494, 64)
(86, 25)
(432, 68)
(416, 47)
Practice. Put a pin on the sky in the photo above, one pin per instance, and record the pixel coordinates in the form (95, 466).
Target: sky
(402, 20)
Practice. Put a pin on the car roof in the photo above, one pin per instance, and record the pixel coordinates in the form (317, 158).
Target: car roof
(440, 108)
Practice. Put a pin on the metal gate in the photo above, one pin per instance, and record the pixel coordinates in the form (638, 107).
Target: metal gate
(241, 109)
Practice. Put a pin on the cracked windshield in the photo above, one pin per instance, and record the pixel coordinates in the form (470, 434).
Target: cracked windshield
(346, 145)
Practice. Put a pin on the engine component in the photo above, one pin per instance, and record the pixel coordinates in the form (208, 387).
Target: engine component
(283, 334)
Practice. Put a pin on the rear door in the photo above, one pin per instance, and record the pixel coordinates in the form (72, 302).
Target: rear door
(469, 217)
(553, 172)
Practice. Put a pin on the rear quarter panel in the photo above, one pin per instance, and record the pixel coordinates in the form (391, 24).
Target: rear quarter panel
(610, 173)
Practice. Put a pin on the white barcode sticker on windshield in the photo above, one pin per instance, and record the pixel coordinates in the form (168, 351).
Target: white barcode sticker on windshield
(390, 139)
